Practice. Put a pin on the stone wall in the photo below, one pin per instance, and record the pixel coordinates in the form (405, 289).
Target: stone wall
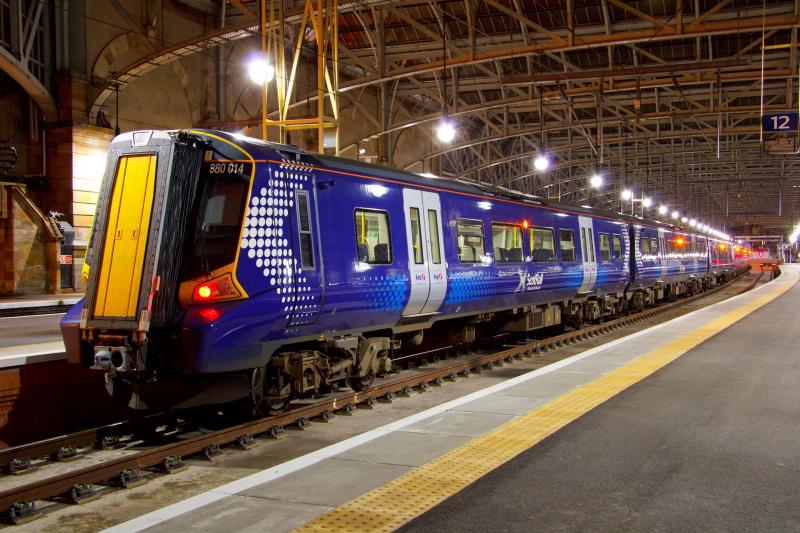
(28, 257)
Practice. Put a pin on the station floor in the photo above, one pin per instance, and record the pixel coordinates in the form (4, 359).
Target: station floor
(688, 425)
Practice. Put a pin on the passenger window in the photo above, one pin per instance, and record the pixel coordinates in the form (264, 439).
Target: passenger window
(605, 247)
(373, 241)
(470, 241)
(433, 229)
(645, 246)
(304, 229)
(543, 248)
(416, 236)
(654, 246)
(616, 242)
(507, 243)
(567, 243)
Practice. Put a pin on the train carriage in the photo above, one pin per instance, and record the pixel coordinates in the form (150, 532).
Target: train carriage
(258, 270)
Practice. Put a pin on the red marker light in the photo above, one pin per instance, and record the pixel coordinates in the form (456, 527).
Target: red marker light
(209, 314)
(203, 291)
(220, 288)
(525, 224)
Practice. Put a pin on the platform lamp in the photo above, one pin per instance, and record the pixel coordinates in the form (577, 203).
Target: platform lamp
(446, 131)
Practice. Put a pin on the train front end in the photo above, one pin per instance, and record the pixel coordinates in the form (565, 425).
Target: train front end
(163, 248)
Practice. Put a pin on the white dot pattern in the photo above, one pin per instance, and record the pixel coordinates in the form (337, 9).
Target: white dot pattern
(268, 247)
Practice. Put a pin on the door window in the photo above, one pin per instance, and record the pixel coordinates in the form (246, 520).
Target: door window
(416, 236)
(645, 246)
(304, 229)
(433, 229)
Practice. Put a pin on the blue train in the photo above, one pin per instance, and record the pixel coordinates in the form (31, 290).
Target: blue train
(224, 267)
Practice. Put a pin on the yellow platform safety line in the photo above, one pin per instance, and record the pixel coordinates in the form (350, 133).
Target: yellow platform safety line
(388, 507)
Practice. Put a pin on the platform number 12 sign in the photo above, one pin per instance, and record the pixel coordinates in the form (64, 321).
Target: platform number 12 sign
(780, 121)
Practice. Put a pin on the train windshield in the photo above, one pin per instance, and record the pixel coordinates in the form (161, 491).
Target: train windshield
(213, 234)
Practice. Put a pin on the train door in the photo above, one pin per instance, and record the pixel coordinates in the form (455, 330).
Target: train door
(588, 255)
(662, 254)
(426, 264)
(308, 280)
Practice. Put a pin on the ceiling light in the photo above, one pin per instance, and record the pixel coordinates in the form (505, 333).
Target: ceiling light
(662, 210)
(541, 163)
(685, 220)
(675, 215)
(596, 181)
(446, 132)
(627, 194)
(647, 202)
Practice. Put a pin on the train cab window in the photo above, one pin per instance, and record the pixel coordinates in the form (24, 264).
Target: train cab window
(507, 243)
(373, 242)
(433, 229)
(216, 223)
(616, 245)
(304, 229)
(416, 236)
(605, 247)
(470, 241)
(645, 246)
(543, 248)
(566, 241)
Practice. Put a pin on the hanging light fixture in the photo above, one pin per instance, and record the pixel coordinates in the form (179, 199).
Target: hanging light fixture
(596, 181)
(446, 131)
(542, 162)
(662, 210)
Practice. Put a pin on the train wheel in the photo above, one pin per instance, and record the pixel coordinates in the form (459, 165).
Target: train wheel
(362, 383)
(277, 406)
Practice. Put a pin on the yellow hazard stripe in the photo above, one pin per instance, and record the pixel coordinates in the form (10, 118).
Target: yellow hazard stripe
(410, 495)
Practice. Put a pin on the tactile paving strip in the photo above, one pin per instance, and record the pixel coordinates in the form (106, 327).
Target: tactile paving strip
(390, 506)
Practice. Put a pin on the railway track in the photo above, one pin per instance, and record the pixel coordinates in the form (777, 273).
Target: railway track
(18, 504)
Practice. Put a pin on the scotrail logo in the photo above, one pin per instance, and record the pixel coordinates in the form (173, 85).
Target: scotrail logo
(420, 277)
(534, 281)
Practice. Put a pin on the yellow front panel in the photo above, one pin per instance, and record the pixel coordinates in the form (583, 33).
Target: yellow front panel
(119, 278)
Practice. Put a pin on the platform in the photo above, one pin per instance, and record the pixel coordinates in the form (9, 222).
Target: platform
(32, 338)
(707, 441)
(41, 300)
